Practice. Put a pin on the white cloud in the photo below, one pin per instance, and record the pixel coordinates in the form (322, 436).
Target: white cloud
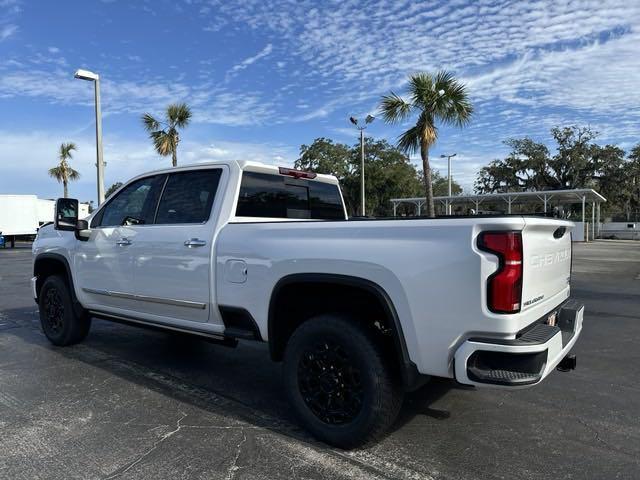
(28, 156)
(235, 109)
(580, 55)
(9, 12)
(346, 134)
(598, 77)
(211, 104)
(216, 24)
(10, 7)
(270, 153)
(266, 51)
(7, 30)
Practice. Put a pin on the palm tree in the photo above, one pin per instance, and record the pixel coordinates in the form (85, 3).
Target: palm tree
(63, 173)
(111, 190)
(164, 134)
(433, 98)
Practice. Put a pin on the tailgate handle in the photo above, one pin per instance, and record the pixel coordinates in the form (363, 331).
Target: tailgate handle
(559, 232)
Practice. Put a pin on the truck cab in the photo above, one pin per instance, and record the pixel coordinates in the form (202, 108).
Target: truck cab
(148, 249)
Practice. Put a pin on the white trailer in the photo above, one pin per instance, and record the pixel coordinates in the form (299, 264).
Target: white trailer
(46, 210)
(621, 230)
(22, 215)
(19, 215)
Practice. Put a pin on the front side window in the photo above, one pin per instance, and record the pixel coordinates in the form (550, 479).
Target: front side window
(276, 196)
(188, 197)
(134, 205)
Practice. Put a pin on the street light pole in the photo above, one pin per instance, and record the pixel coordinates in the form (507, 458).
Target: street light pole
(367, 121)
(95, 78)
(99, 156)
(449, 179)
(362, 171)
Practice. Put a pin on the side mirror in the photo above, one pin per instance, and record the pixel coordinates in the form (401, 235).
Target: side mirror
(66, 215)
(82, 230)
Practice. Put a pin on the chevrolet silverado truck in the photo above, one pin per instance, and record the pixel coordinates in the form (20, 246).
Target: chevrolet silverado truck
(359, 311)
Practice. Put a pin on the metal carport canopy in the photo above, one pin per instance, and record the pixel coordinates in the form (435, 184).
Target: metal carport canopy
(577, 195)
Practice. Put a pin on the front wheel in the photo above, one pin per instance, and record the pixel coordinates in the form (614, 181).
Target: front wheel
(58, 318)
(339, 382)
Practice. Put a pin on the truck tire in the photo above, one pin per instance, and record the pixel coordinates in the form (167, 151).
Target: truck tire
(60, 323)
(339, 382)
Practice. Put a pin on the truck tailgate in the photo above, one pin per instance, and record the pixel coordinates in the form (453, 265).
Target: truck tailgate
(546, 246)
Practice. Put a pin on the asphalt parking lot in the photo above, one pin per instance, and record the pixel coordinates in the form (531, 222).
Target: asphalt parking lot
(131, 403)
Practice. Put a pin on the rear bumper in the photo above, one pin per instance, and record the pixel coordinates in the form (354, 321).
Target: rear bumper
(523, 361)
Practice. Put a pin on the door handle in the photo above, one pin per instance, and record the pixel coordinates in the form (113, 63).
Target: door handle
(194, 242)
(123, 242)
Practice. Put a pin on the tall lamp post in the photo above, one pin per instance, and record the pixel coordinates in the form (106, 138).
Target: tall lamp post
(367, 121)
(95, 78)
(449, 157)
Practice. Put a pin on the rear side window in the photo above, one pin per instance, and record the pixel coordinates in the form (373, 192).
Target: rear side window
(134, 205)
(326, 201)
(277, 196)
(188, 197)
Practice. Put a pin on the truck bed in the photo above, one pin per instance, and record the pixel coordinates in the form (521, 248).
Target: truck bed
(430, 268)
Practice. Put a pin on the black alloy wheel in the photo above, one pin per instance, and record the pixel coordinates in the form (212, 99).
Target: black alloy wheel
(341, 380)
(330, 383)
(61, 322)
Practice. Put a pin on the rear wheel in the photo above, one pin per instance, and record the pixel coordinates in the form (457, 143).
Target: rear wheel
(339, 382)
(58, 318)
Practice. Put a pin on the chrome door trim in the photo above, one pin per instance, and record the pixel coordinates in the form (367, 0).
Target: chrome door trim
(146, 298)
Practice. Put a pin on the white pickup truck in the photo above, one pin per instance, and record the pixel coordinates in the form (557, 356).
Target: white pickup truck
(359, 310)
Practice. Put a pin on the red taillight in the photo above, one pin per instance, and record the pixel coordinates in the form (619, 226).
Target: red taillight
(296, 173)
(504, 287)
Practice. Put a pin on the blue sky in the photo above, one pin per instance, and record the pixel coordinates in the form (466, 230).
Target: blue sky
(265, 76)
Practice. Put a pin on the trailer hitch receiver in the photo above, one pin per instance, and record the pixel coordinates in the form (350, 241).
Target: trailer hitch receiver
(567, 363)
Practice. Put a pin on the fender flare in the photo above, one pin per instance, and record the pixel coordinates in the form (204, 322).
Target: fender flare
(411, 378)
(65, 263)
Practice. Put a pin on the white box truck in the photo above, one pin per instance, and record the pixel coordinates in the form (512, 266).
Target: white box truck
(22, 215)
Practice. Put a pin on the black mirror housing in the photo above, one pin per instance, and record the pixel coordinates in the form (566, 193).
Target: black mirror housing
(82, 230)
(66, 214)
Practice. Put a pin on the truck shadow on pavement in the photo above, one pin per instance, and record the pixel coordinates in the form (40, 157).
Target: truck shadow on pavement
(241, 386)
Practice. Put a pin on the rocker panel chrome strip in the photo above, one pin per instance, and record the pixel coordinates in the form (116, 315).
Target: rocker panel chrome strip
(127, 319)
